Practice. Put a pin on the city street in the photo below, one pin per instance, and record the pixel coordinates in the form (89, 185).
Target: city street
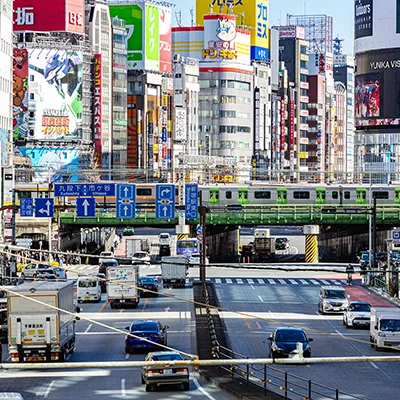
(296, 304)
(95, 343)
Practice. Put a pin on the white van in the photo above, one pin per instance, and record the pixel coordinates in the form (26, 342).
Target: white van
(88, 289)
(164, 238)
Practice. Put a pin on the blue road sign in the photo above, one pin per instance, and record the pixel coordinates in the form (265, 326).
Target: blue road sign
(192, 201)
(396, 236)
(126, 201)
(44, 208)
(85, 207)
(164, 134)
(84, 189)
(165, 201)
(26, 208)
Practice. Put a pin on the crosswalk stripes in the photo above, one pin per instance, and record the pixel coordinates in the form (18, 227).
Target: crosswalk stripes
(276, 281)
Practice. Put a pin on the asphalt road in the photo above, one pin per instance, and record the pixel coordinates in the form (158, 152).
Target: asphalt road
(296, 305)
(96, 343)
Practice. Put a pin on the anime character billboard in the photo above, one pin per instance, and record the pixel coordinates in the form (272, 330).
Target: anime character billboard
(20, 93)
(55, 87)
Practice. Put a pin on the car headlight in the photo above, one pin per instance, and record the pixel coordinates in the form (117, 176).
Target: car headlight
(327, 303)
(381, 334)
(351, 316)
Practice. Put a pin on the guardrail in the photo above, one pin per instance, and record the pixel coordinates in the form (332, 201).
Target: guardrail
(268, 378)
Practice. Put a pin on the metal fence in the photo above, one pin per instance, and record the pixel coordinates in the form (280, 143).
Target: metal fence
(269, 378)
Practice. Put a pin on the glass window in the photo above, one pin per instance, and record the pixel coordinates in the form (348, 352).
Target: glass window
(143, 191)
(301, 195)
(262, 195)
(228, 195)
(380, 195)
(335, 195)
(347, 195)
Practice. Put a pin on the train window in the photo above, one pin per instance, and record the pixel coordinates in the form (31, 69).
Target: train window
(335, 195)
(347, 195)
(228, 194)
(380, 195)
(262, 195)
(143, 192)
(301, 195)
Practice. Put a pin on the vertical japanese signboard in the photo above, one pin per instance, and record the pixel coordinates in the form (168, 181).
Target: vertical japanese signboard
(291, 128)
(152, 38)
(257, 125)
(165, 39)
(97, 113)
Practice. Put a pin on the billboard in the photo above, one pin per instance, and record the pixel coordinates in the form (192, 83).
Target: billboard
(55, 85)
(4, 147)
(291, 32)
(20, 94)
(152, 36)
(165, 26)
(55, 160)
(377, 88)
(256, 17)
(363, 18)
(97, 114)
(49, 16)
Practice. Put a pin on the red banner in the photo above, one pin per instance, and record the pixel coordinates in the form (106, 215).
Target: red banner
(165, 39)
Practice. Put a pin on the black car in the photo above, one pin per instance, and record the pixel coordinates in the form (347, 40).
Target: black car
(283, 342)
(106, 264)
(149, 283)
(103, 283)
(3, 327)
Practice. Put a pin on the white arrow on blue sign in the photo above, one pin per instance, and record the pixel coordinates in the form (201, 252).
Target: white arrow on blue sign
(165, 201)
(126, 201)
(44, 208)
(85, 207)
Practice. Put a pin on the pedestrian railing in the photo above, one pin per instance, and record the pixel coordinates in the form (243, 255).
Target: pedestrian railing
(269, 378)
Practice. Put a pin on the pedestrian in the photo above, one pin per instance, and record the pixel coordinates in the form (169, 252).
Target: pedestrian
(363, 274)
(349, 272)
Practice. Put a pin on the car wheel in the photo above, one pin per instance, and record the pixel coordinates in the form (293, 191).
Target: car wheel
(371, 342)
(143, 381)
(347, 325)
(112, 305)
(186, 386)
(23, 276)
(79, 301)
(127, 350)
(149, 387)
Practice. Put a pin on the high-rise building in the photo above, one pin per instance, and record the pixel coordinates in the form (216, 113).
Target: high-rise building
(318, 31)
(120, 97)
(377, 94)
(293, 51)
(343, 72)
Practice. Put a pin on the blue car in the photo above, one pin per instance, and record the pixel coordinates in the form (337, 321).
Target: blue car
(283, 342)
(60, 273)
(153, 331)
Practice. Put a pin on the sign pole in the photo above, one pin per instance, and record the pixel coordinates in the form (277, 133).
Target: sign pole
(203, 221)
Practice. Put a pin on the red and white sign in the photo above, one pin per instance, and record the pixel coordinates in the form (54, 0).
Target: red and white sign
(291, 31)
(97, 114)
(165, 39)
(283, 106)
(291, 126)
(49, 16)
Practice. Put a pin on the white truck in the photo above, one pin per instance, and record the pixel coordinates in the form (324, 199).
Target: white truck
(264, 245)
(122, 286)
(385, 328)
(38, 332)
(134, 245)
(174, 270)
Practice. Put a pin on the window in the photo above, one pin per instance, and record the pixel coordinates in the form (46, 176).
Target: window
(228, 195)
(380, 195)
(335, 195)
(262, 195)
(143, 192)
(301, 195)
(347, 195)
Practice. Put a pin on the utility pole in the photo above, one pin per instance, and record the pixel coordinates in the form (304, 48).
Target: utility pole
(374, 234)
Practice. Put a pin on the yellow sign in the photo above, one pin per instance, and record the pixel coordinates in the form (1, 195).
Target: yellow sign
(222, 53)
(255, 16)
(303, 154)
(164, 100)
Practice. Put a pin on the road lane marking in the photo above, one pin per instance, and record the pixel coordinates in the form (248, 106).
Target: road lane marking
(304, 282)
(47, 392)
(293, 282)
(127, 356)
(280, 316)
(374, 365)
(335, 282)
(88, 328)
(282, 281)
(261, 281)
(314, 282)
(103, 307)
(324, 282)
(202, 390)
(252, 287)
(250, 281)
(261, 299)
(123, 390)
(54, 374)
(228, 280)
(240, 281)
(218, 280)
(145, 304)
(128, 315)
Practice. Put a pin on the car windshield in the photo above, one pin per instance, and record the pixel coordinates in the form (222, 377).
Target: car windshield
(391, 325)
(167, 357)
(106, 254)
(144, 326)
(87, 283)
(147, 280)
(335, 294)
(110, 264)
(290, 336)
(360, 307)
(45, 271)
(139, 255)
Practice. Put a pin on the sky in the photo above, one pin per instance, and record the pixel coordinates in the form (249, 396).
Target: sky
(342, 12)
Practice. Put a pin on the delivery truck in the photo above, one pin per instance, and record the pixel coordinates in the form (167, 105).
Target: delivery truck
(174, 270)
(37, 331)
(122, 286)
(264, 245)
(385, 328)
(134, 245)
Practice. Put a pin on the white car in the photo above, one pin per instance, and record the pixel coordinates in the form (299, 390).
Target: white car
(358, 313)
(195, 259)
(105, 256)
(141, 257)
(164, 238)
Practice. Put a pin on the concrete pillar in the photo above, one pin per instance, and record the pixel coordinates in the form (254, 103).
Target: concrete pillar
(311, 252)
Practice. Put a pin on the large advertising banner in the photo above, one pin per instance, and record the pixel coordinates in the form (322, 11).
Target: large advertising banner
(55, 85)
(377, 88)
(152, 55)
(55, 160)
(49, 16)
(256, 17)
(20, 94)
(133, 15)
(97, 114)
(165, 39)
(363, 18)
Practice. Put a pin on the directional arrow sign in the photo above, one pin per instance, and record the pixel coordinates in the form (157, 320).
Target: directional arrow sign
(85, 207)
(44, 208)
(126, 201)
(165, 201)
